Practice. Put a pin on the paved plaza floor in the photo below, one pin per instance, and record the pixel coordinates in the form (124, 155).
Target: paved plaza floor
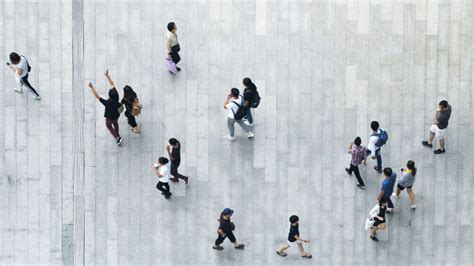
(324, 69)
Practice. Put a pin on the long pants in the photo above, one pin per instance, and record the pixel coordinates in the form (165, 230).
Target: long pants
(230, 126)
(164, 188)
(174, 169)
(379, 158)
(113, 127)
(131, 119)
(24, 81)
(389, 203)
(220, 238)
(355, 169)
(249, 113)
(175, 57)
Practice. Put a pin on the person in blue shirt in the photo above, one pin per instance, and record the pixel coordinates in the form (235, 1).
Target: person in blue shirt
(387, 186)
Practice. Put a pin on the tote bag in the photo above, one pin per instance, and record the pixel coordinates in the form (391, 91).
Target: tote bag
(171, 66)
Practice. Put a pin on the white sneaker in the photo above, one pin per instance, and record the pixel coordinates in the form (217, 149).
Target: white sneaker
(229, 137)
(413, 206)
(18, 90)
(395, 195)
(250, 135)
(36, 98)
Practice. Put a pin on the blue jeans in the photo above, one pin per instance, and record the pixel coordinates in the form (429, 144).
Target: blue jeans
(249, 113)
(379, 158)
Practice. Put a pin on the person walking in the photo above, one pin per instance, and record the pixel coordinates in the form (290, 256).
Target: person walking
(406, 181)
(20, 66)
(171, 44)
(162, 172)
(174, 153)
(225, 230)
(236, 112)
(359, 155)
(379, 218)
(294, 236)
(113, 108)
(251, 99)
(132, 107)
(377, 139)
(387, 187)
(439, 127)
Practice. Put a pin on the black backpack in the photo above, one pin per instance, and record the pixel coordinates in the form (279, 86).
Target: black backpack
(241, 112)
(27, 63)
(253, 96)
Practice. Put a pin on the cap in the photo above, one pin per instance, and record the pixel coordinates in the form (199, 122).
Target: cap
(227, 211)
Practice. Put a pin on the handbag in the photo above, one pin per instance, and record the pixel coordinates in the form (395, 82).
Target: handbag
(136, 108)
(171, 66)
(120, 109)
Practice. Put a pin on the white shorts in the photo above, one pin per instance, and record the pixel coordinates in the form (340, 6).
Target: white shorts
(439, 133)
(291, 243)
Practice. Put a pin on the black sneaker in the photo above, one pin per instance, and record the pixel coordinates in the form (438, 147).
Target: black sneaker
(425, 143)
(348, 171)
(186, 180)
(360, 186)
(378, 169)
(439, 151)
(240, 246)
(119, 141)
(217, 247)
(374, 238)
(178, 68)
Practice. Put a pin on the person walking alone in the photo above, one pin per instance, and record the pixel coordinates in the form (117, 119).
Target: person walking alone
(21, 68)
(132, 107)
(174, 153)
(162, 172)
(171, 44)
(113, 108)
(236, 112)
(439, 127)
(294, 236)
(225, 230)
(406, 181)
(359, 155)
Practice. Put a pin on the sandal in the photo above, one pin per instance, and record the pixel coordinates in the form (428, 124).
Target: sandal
(307, 255)
(281, 253)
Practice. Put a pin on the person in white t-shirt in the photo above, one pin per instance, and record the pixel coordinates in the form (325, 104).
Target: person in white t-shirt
(19, 65)
(233, 101)
(172, 45)
(163, 173)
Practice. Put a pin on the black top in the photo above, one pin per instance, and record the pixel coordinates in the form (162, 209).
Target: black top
(225, 225)
(294, 231)
(111, 108)
(127, 104)
(176, 152)
(249, 95)
(443, 118)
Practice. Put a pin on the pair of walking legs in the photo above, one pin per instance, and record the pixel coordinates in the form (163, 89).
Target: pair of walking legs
(283, 248)
(230, 126)
(410, 193)
(355, 169)
(24, 81)
(164, 187)
(232, 239)
(441, 140)
(174, 171)
(113, 127)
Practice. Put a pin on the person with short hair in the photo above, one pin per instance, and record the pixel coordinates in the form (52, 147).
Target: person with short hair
(359, 155)
(374, 146)
(162, 172)
(225, 230)
(174, 153)
(172, 45)
(439, 127)
(406, 181)
(387, 187)
(379, 219)
(294, 236)
(21, 67)
(113, 108)
(232, 103)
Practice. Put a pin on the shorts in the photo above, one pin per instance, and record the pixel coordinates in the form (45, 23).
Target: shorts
(291, 243)
(402, 188)
(439, 133)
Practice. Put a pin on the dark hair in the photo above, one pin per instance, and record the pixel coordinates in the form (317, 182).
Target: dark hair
(163, 160)
(374, 125)
(173, 141)
(235, 92)
(171, 26)
(411, 166)
(444, 104)
(129, 94)
(249, 84)
(294, 219)
(387, 171)
(14, 58)
(383, 200)
(113, 95)
(357, 141)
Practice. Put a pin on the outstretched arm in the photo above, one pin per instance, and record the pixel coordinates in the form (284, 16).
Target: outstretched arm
(94, 91)
(111, 82)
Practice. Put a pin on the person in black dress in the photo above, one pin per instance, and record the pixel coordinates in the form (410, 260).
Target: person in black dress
(225, 231)
(174, 152)
(294, 236)
(379, 223)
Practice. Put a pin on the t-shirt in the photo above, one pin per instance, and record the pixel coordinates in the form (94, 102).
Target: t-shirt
(382, 212)
(166, 174)
(111, 108)
(23, 65)
(387, 185)
(249, 96)
(374, 138)
(225, 225)
(443, 118)
(233, 108)
(176, 152)
(294, 231)
(407, 179)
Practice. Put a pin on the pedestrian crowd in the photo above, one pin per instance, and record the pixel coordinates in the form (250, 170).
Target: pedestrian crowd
(239, 111)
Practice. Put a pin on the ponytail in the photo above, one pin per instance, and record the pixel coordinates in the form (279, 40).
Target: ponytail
(411, 166)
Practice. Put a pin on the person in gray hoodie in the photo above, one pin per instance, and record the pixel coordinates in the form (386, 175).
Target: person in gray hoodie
(406, 181)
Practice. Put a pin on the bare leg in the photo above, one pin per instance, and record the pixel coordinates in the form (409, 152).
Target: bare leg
(441, 144)
(373, 231)
(398, 192)
(284, 248)
(411, 195)
(301, 248)
(432, 135)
